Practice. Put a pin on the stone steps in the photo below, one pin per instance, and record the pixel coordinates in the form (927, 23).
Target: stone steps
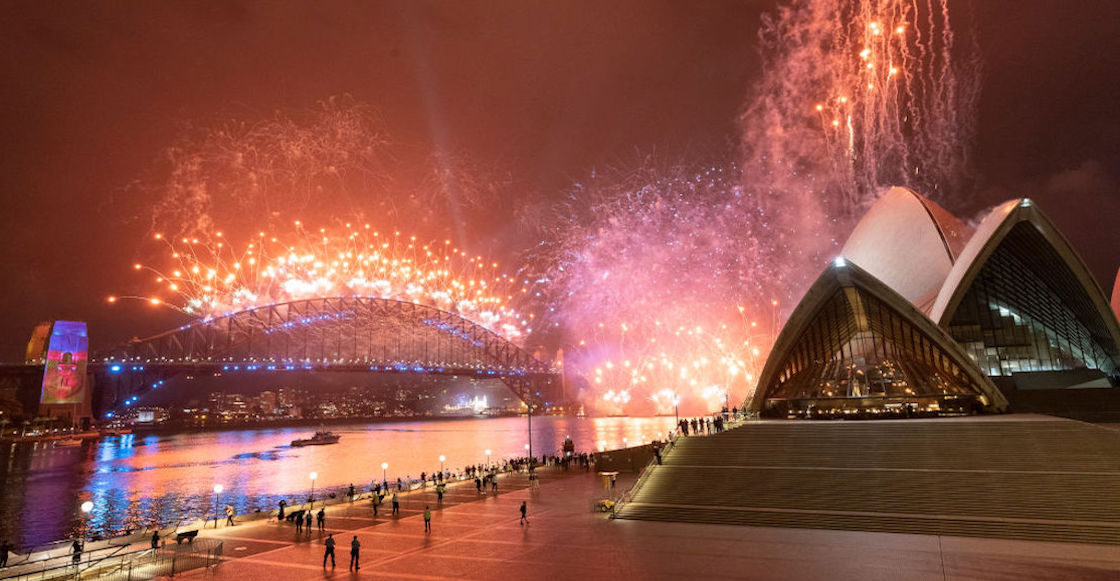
(1053, 480)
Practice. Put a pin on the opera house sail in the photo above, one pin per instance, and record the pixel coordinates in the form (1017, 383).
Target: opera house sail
(909, 243)
(1026, 308)
(855, 346)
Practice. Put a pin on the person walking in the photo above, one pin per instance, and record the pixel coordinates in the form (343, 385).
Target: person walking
(307, 523)
(396, 505)
(5, 548)
(524, 510)
(280, 515)
(229, 516)
(155, 539)
(494, 483)
(427, 519)
(76, 551)
(321, 517)
(354, 547)
(299, 521)
(439, 494)
(376, 500)
(329, 552)
(351, 492)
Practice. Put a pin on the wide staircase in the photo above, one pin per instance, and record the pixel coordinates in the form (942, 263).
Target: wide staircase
(1014, 477)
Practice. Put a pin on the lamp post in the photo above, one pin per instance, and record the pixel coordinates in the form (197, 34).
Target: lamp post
(487, 458)
(218, 488)
(676, 408)
(313, 476)
(529, 431)
(87, 506)
(384, 467)
(441, 459)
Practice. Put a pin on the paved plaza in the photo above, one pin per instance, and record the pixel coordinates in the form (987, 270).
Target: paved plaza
(477, 537)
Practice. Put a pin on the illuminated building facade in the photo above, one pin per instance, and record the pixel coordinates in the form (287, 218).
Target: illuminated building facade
(855, 346)
(1025, 306)
(924, 314)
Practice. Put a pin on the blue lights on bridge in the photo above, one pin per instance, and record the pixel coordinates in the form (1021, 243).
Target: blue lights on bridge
(451, 330)
(115, 368)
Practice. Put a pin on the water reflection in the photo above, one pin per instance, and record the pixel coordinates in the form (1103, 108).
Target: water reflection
(135, 481)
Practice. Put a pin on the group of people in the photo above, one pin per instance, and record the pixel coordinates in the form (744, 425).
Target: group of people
(303, 519)
(356, 545)
(700, 426)
(355, 550)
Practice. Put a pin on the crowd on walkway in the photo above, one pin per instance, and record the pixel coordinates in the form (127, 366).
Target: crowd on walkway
(706, 426)
(485, 480)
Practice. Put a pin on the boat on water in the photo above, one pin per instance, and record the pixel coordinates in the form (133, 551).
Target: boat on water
(321, 438)
(67, 442)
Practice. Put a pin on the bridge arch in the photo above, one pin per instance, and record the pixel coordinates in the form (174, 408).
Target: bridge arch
(343, 334)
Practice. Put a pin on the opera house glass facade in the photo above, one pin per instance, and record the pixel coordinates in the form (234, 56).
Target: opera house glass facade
(1025, 312)
(855, 346)
(924, 314)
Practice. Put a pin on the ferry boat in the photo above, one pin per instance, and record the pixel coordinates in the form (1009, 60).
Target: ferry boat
(321, 438)
(67, 442)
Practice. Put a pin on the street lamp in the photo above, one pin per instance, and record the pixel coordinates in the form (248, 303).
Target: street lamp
(384, 467)
(487, 458)
(441, 459)
(676, 411)
(87, 506)
(218, 488)
(313, 476)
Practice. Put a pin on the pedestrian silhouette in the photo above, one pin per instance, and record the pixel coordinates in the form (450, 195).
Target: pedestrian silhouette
(524, 509)
(354, 546)
(329, 552)
(427, 520)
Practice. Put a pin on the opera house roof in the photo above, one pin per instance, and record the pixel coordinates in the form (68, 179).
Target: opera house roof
(919, 307)
(908, 242)
(1116, 295)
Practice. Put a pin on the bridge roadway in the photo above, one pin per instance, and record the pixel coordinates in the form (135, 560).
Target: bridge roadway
(478, 537)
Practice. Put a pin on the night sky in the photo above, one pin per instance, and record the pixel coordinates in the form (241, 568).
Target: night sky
(94, 92)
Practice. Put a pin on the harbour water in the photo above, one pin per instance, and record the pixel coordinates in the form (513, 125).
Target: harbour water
(135, 481)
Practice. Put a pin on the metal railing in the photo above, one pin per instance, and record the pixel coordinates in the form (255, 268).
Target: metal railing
(125, 566)
(643, 476)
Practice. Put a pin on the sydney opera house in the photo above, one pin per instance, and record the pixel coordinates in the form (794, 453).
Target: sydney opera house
(921, 314)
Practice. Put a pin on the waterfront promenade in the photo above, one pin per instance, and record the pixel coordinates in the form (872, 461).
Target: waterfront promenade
(477, 537)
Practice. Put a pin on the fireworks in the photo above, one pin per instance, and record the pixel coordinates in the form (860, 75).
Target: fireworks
(208, 277)
(855, 96)
(666, 284)
(651, 273)
(674, 278)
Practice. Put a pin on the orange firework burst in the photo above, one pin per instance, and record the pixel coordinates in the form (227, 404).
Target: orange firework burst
(212, 276)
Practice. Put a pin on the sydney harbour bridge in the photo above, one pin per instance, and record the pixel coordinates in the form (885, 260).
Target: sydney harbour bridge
(329, 334)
